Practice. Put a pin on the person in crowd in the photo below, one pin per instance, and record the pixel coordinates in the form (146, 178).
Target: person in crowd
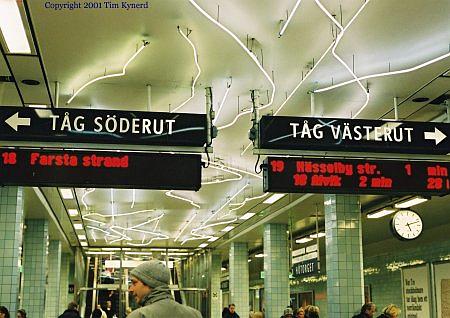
(4, 312)
(71, 311)
(367, 311)
(390, 311)
(230, 312)
(300, 313)
(225, 311)
(99, 313)
(288, 313)
(108, 309)
(312, 312)
(21, 313)
(150, 288)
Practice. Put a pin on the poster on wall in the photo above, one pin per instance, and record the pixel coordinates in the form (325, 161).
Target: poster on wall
(416, 291)
(442, 285)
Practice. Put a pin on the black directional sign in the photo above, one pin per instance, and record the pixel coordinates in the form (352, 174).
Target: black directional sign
(335, 134)
(355, 176)
(67, 125)
(101, 169)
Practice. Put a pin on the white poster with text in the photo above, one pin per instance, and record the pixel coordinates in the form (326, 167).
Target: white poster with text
(442, 285)
(416, 292)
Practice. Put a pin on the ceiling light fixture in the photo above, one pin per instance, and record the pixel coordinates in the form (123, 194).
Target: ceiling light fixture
(236, 169)
(317, 235)
(303, 240)
(66, 193)
(86, 192)
(185, 226)
(170, 194)
(274, 198)
(134, 198)
(199, 71)
(84, 244)
(138, 253)
(37, 105)
(72, 212)
(407, 70)
(252, 56)
(12, 27)
(203, 245)
(410, 202)
(380, 213)
(285, 25)
(227, 228)
(109, 76)
(247, 216)
(260, 255)
(221, 103)
(213, 239)
(81, 237)
(78, 226)
(241, 204)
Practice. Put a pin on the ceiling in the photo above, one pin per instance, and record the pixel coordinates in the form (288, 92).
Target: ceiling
(238, 50)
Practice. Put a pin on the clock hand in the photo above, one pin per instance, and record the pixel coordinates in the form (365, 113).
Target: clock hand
(408, 226)
(413, 222)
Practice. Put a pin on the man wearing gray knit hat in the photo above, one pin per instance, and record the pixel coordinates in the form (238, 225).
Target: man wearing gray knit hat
(150, 287)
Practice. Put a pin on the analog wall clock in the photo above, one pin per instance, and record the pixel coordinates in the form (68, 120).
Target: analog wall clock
(407, 225)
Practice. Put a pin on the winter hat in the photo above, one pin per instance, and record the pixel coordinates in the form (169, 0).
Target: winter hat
(152, 273)
(288, 311)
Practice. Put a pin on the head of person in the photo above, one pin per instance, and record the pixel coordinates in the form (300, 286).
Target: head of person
(146, 277)
(21, 313)
(232, 308)
(300, 313)
(97, 313)
(4, 312)
(312, 312)
(288, 313)
(368, 309)
(391, 311)
(108, 304)
(72, 306)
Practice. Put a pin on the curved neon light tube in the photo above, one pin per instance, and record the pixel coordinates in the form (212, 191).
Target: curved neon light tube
(221, 103)
(252, 56)
(236, 169)
(241, 204)
(185, 226)
(407, 70)
(134, 198)
(117, 214)
(199, 71)
(216, 224)
(108, 76)
(283, 29)
(170, 194)
(223, 168)
(86, 192)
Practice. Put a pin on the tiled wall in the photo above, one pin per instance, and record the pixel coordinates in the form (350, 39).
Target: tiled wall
(343, 254)
(35, 267)
(11, 216)
(239, 283)
(215, 272)
(54, 278)
(64, 282)
(276, 269)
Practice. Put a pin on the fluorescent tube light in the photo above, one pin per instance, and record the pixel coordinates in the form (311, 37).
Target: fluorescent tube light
(380, 213)
(316, 235)
(274, 198)
(212, 239)
(138, 253)
(78, 226)
(410, 202)
(12, 27)
(111, 249)
(84, 244)
(81, 236)
(223, 269)
(228, 228)
(97, 253)
(247, 216)
(303, 240)
(72, 212)
(249, 260)
(66, 193)
(37, 106)
(203, 245)
(260, 255)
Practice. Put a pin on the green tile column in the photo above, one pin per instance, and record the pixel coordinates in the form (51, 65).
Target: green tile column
(276, 269)
(54, 277)
(214, 295)
(344, 258)
(11, 218)
(239, 280)
(35, 267)
(64, 282)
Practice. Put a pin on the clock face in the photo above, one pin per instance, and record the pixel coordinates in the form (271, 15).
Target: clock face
(407, 224)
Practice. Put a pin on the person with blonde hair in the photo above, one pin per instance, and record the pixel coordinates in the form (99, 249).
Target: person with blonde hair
(390, 311)
(312, 311)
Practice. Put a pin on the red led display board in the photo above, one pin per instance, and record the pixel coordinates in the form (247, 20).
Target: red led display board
(351, 176)
(102, 169)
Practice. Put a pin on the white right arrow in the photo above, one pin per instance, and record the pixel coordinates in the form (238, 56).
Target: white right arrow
(437, 135)
(14, 121)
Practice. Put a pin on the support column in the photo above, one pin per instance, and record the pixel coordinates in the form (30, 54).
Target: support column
(11, 218)
(54, 278)
(345, 285)
(239, 279)
(35, 267)
(214, 287)
(64, 282)
(276, 269)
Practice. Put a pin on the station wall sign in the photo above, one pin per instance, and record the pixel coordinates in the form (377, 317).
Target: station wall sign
(69, 125)
(353, 176)
(305, 268)
(335, 134)
(101, 169)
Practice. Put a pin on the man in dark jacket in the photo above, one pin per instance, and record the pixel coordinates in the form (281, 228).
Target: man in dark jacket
(367, 311)
(150, 287)
(71, 311)
(231, 312)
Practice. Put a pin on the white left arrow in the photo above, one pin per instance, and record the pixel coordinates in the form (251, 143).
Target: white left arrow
(15, 121)
(437, 135)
